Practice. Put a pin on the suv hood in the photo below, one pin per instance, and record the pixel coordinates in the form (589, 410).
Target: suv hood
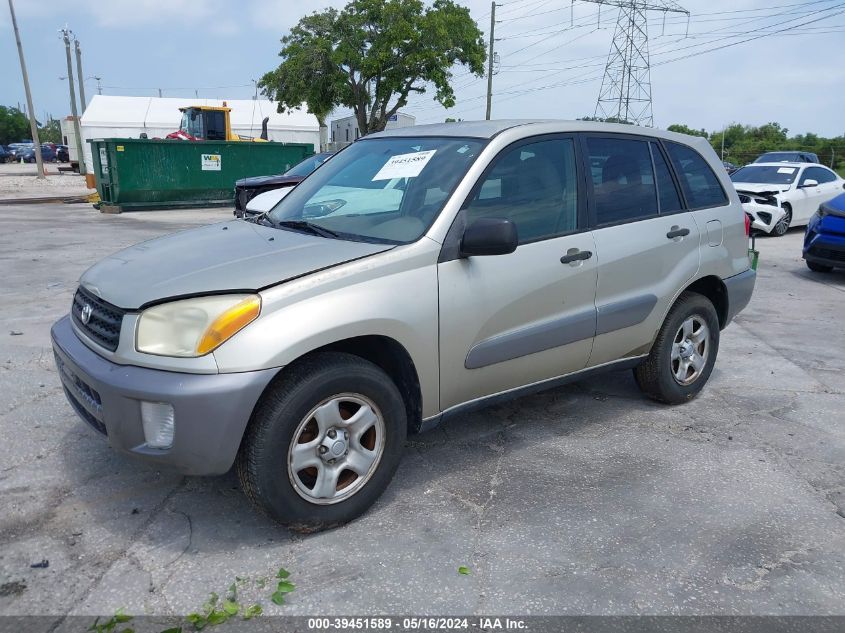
(229, 256)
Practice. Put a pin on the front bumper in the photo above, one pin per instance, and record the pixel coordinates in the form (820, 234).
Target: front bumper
(824, 242)
(826, 253)
(763, 216)
(211, 410)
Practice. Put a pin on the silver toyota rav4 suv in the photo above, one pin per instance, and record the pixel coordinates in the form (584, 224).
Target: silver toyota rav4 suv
(421, 273)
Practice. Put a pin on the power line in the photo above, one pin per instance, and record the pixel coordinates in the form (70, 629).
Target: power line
(724, 33)
(750, 39)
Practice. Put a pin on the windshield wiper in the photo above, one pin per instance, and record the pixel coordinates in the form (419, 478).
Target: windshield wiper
(308, 227)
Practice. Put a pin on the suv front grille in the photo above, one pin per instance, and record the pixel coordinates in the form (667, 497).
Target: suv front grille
(104, 320)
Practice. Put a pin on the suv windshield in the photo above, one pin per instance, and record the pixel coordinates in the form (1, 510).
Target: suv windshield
(382, 189)
(765, 174)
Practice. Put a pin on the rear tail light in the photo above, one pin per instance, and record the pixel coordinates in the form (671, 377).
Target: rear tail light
(747, 225)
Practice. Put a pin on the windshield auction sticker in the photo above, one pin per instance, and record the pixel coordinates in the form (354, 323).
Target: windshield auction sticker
(404, 165)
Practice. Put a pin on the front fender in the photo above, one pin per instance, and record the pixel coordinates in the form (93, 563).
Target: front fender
(392, 294)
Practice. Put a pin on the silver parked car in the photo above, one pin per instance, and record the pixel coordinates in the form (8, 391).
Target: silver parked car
(421, 273)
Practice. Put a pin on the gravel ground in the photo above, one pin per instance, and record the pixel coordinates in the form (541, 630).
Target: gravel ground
(19, 181)
(588, 499)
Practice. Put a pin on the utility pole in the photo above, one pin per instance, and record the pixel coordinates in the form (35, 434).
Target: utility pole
(79, 155)
(159, 93)
(82, 102)
(99, 87)
(490, 59)
(33, 126)
(723, 143)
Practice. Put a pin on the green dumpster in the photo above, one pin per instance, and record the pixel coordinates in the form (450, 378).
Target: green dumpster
(134, 174)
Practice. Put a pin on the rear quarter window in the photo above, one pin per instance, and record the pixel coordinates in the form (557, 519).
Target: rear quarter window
(700, 184)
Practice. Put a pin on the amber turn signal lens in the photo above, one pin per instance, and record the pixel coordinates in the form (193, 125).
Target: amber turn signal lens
(228, 324)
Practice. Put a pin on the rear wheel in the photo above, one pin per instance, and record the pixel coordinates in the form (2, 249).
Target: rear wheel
(819, 268)
(324, 442)
(782, 225)
(684, 352)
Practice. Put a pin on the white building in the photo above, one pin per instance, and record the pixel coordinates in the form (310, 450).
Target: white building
(345, 130)
(129, 117)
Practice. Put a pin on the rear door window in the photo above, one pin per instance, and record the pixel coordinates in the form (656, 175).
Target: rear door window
(700, 185)
(670, 201)
(623, 179)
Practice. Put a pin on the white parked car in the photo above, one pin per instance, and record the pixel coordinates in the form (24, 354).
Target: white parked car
(779, 195)
(334, 197)
(263, 202)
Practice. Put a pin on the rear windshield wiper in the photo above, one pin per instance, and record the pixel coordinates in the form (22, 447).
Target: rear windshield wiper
(308, 227)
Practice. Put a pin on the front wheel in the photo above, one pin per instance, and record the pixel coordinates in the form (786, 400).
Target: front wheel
(782, 225)
(684, 352)
(324, 442)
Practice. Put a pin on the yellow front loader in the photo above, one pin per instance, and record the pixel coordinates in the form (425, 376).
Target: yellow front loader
(211, 123)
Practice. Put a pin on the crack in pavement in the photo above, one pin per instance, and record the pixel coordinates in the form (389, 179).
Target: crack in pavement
(172, 564)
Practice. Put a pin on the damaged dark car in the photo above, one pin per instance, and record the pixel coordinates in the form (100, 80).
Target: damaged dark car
(247, 188)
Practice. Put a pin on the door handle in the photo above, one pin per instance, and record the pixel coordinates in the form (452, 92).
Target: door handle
(677, 232)
(576, 257)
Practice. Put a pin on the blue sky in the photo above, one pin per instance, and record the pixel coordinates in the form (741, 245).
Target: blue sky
(551, 57)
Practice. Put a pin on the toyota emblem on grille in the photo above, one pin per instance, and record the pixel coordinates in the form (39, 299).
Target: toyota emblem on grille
(86, 313)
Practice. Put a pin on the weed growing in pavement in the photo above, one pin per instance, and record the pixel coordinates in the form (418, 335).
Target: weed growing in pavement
(215, 611)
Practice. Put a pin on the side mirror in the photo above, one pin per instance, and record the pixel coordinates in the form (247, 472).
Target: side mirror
(809, 183)
(489, 236)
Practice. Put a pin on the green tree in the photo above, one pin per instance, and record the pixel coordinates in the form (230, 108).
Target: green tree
(14, 126)
(50, 132)
(372, 55)
(680, 128)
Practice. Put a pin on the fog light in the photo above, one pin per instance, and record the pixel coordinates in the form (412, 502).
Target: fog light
(158, 419)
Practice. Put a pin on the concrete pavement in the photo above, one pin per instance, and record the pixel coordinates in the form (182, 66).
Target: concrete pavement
(587, 499)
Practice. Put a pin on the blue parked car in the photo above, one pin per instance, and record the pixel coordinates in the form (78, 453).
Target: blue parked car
(824, 242)
(48, 154)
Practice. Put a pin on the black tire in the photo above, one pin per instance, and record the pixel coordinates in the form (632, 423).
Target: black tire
(262, 463)
(655, 376)
(819, 268)
(782, 226)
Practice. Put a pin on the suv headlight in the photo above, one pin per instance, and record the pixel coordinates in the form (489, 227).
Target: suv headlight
(194, 327)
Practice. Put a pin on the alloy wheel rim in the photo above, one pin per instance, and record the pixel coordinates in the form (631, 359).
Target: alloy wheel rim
(690, 350)
(782, 225)
(336, 448)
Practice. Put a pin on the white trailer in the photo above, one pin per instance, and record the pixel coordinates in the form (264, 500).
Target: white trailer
(129, 117)
(69, 139)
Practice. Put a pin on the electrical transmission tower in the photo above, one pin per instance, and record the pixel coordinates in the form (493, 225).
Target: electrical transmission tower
(625, 93)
